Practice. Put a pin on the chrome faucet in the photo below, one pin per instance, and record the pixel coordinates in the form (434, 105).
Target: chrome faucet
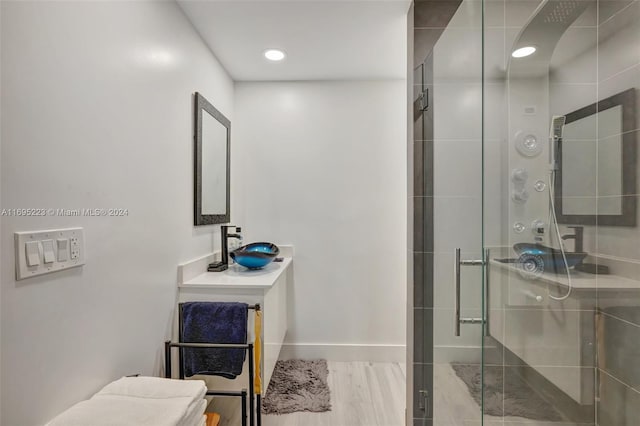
(224, 251)
(577, 237)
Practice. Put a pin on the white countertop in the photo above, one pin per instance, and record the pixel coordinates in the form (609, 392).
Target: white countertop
(580, 280)
(240, 277)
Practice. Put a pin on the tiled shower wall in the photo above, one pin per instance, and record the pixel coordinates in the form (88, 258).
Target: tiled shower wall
(430, 18)
(609, 66)
(618, 59)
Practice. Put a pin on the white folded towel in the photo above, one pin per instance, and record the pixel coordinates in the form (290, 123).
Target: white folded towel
(140, 401)
(194, 412)
(155, 387)
(125, 411)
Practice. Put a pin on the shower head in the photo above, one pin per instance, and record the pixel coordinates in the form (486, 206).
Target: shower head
(555, 136)
(561, 12)
(545, 28)
(557, 123)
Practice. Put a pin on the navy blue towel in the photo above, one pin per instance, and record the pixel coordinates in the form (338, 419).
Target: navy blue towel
(214, 322)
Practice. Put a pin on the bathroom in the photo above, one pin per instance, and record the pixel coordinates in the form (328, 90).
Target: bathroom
(452, 186)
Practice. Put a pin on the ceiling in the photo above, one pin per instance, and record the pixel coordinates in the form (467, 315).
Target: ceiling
(324, 40)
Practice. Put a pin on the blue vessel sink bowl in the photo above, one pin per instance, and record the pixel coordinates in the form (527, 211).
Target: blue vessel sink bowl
(547, 258)
(255, 255)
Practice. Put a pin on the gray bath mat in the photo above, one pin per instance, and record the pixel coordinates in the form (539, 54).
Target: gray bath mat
(298, 385)
(513, 397)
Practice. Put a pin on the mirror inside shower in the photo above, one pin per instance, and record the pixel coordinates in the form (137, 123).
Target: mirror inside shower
(600, 138)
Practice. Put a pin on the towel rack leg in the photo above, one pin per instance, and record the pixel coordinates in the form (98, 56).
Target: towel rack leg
(167, 359)
(251, 389)
(244, 407)
(259, 409)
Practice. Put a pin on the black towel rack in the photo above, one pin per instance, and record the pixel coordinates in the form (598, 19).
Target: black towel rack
(255, 408)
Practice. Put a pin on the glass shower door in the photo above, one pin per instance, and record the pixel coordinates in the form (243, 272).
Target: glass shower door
(528, 247)
(449, 150)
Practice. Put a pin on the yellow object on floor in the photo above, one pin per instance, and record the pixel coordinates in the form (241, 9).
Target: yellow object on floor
(257, 349)
(213, 419)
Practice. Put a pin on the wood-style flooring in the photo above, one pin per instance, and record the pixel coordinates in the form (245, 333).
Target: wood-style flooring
(362, 394)
(373, 394)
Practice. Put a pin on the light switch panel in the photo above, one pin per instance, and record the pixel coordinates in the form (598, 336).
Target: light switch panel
(42, 252)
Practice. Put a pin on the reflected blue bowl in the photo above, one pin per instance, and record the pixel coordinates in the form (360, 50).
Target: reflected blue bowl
(547, 258)
(255, 255)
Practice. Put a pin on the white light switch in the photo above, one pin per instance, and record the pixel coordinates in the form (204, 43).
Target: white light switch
(47, 251)
(32, 253)
(63, 249)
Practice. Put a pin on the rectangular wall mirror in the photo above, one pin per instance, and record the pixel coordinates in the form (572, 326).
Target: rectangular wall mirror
(212, 162)
(596, 138)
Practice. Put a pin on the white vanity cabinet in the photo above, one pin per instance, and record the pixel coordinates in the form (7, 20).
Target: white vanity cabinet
(268, 287)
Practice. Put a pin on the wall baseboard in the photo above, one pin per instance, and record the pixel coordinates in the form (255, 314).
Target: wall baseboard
(344, 352)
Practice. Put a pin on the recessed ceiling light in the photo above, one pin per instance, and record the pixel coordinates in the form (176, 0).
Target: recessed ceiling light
(274, 54)
(523, 51)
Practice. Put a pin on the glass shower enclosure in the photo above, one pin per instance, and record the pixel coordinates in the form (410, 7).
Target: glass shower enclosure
(526, 243)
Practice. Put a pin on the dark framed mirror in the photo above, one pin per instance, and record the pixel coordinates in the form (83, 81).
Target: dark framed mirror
(212, 135)
(597, 159)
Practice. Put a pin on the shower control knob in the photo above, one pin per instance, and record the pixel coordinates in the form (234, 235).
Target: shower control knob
(520, 196)
(532, 295)
(540, 186)
(519, 175)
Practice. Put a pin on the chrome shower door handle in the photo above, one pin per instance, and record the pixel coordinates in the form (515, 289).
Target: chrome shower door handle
(486, 306)
(457, 272)
(456, 324)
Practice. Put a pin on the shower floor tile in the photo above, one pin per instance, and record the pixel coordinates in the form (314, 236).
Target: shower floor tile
(454, 405)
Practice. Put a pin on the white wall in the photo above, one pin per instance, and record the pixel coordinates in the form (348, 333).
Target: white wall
(97, 112)
(1, 49)
(324, 167)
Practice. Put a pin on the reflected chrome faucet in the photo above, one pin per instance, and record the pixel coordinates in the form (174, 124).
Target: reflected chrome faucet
(577, 237)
